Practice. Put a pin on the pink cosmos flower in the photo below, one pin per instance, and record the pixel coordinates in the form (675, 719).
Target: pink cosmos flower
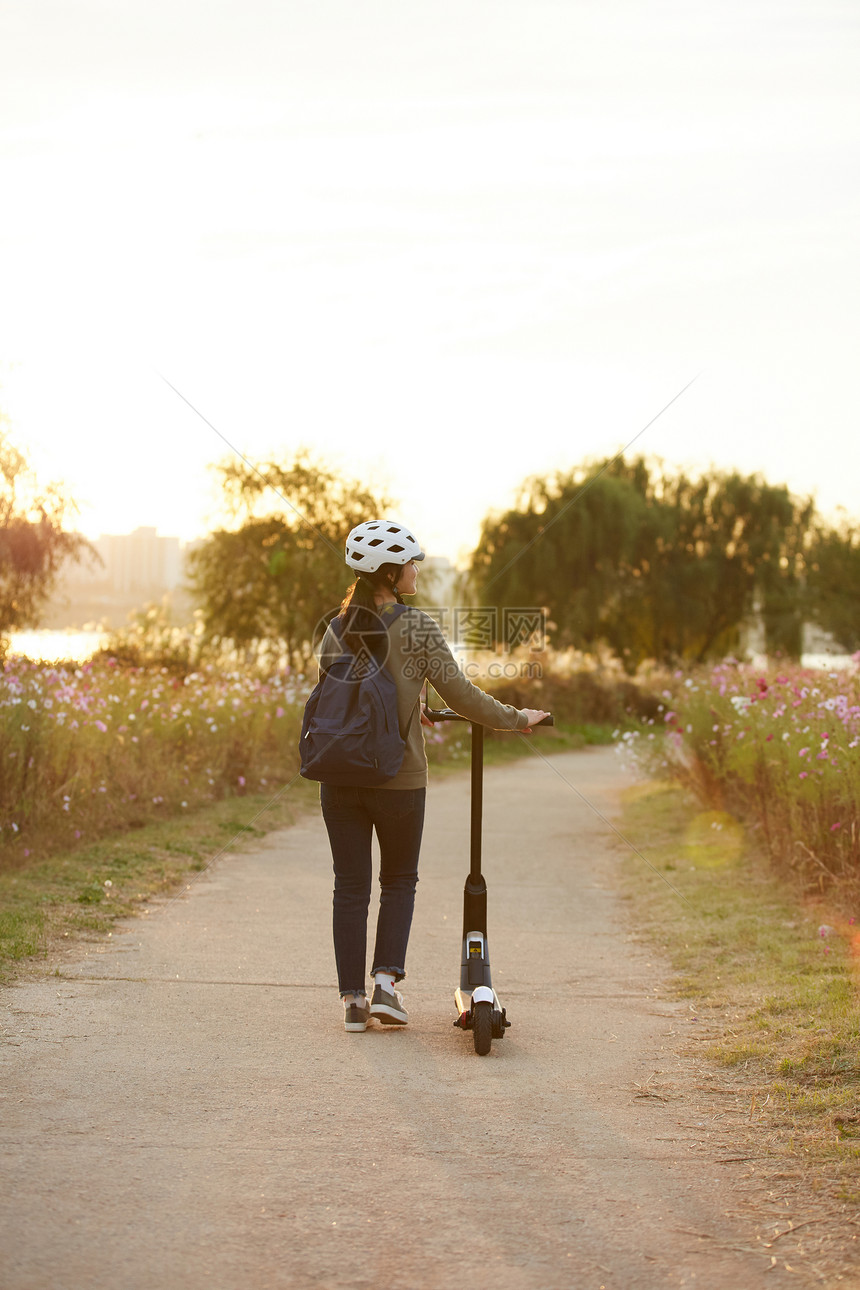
(803, 775)
(803, 752)
(833, 828)
(100, 725)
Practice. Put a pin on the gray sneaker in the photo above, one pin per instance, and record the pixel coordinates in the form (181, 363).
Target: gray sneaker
(356, 1016)
(388, 1008)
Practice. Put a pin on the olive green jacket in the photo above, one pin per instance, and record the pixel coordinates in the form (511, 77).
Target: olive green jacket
(418, 652)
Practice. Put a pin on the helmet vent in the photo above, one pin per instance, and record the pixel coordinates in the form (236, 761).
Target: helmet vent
(375, 543)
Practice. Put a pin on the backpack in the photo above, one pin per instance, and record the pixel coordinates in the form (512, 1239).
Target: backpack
(350, 733)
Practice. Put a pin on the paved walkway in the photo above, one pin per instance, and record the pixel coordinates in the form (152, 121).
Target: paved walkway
(183, 1108)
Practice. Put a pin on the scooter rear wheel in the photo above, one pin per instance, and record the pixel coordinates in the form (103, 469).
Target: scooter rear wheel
(482, 1027)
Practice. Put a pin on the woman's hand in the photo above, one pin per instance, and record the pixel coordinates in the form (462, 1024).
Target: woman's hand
(425, 721)
(534, 716)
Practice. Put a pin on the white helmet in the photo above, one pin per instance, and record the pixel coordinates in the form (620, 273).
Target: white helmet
(379, 542)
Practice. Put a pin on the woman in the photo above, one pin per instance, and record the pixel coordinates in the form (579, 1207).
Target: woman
(385, 557)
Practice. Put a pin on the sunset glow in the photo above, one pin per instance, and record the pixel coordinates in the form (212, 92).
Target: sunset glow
(446, 248)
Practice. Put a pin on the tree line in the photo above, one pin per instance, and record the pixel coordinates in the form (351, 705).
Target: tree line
(35, 540)
(653, 563)
(663, 566)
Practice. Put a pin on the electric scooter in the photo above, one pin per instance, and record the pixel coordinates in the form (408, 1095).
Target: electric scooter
(478, 1005)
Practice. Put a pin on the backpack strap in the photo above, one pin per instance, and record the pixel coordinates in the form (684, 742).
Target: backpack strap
(391, 615)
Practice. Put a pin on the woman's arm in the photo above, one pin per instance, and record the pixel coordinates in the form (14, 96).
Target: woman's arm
(446, 676)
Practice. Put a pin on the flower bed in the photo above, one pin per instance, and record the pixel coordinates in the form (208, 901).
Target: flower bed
(781, 749)
(90, 749)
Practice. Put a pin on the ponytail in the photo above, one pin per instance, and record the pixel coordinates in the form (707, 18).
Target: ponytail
(363, 631)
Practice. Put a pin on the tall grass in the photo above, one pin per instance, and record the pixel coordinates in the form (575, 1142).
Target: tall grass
(98, 747)
(778, 748)
(90, 749)
(579, 688)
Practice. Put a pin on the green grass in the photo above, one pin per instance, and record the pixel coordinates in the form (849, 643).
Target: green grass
(84, 891)
(746, 949)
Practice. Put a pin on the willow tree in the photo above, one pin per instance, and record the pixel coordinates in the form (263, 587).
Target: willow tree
(834, 582)
(656, 565)
(731, 546)
(268, 579)
(35, 541)
(564, 547)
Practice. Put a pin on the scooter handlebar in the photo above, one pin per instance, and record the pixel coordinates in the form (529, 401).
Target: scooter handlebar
(448, 714)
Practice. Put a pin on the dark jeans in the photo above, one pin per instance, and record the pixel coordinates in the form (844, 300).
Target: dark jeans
(351, 815)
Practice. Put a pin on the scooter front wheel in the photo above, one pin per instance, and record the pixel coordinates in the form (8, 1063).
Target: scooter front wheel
(482, 1027)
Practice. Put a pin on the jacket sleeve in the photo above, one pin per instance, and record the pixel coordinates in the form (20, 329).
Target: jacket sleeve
(445, 675)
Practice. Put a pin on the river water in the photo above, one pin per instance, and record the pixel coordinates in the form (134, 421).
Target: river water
(51, 646)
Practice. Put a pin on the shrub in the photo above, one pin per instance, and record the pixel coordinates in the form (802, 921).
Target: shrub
(575, 687)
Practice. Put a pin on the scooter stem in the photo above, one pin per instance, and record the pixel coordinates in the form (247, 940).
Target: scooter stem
(477, 802)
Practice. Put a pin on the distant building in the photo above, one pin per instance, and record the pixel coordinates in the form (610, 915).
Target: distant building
(438, 581)
(138, 563)
(132, 570)
(817, 645)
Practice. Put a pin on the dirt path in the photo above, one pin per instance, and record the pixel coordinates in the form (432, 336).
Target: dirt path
(183, 1108)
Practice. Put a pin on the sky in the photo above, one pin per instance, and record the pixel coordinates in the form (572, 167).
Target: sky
(443, 246)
